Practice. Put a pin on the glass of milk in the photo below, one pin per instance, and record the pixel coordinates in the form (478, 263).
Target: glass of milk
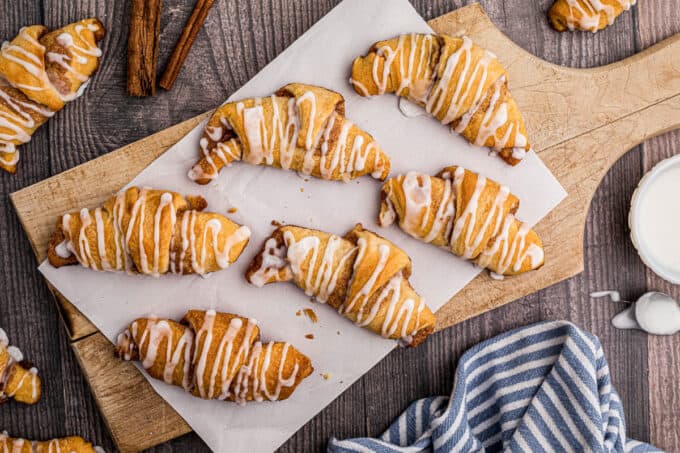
(655, 219)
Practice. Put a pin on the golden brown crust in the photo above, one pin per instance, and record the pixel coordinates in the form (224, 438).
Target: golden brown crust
(296, 364)
(52, 256)
(362, 275)
(457, 82)
(72, 444)
(40, 71)
(148, 231)
(301, 128)
(468, 214)
(586, 15)
(19, 380)
(215, 356)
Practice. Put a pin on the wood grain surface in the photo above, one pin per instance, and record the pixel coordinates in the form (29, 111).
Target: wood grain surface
(238, 40)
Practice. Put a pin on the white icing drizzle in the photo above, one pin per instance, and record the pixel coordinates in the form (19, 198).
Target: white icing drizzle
(273, 262)
(235, 369)
(249, 379)
(448, 225)
(75, 52)
(17, 125)
(266, 139)
(50, 446)
(512, 253)
(156, 333)
(34, 65)
(148, 264)
(590, 11)
(304, 253)
(316, 267)
(9, 155)
(15, 357)
(459, 85)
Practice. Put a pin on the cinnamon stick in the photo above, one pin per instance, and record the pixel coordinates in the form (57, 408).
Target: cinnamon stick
(145, 27)
(179, 54)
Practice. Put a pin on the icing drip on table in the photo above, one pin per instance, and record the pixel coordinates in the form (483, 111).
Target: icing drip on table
(585, 14)
(272, 139)
(15, 358)
(456, 83)
(165, 218)
(654, 312)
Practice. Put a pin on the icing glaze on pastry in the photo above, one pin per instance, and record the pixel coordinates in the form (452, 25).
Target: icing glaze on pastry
(39, 73)
(459, 83)
(301, 128)
(215, 356)
(71, 444)
(148, 231)
(466, 213)
(586, 15)
(362, 275)
(17, 380)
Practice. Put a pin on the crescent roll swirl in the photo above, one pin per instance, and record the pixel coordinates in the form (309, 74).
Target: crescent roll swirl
(73, 444)
(18, 379)
(40, 72)
(461, 84)
(467, 213)
(150, 232)
(586, 15)
(362, 275)
(301, 128)
(215, 356)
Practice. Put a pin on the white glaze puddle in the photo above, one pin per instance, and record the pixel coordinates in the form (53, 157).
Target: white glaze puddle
(654, 312)
(410, 109)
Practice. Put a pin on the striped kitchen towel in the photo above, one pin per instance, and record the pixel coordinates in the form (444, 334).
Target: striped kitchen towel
(544, 387)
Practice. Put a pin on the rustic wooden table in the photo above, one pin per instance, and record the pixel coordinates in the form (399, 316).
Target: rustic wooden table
(646, 370)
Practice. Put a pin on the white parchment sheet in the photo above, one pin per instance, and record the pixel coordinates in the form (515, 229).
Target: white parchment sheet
(322, 56)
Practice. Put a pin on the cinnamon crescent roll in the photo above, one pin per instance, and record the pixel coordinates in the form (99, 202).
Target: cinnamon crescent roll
(150, 232)
(215, 356)
(72, 444)
(40, 71)
(19, 380)
(586, 15)
(468, 214)
(301, 128)
(461, 84)
(362, 275)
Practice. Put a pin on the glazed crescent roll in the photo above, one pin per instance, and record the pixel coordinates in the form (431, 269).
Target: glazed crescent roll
(362, 275)
(215, 356)
(18, 378)
(150, 232)
(73, 444)
(40, 71)
(301, 128)
(468, 214)
(462, 85)
(586, 15)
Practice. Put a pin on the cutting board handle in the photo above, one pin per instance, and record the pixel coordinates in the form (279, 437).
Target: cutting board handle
(560, 103)
(580, 121)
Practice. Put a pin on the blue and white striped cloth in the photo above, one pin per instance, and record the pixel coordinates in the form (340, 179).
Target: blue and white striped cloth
(544, 387)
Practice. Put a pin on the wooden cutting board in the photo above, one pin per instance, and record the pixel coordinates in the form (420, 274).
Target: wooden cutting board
(580, 121)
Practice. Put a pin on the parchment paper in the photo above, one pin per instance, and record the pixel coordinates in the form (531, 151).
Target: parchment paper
(322, 56)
